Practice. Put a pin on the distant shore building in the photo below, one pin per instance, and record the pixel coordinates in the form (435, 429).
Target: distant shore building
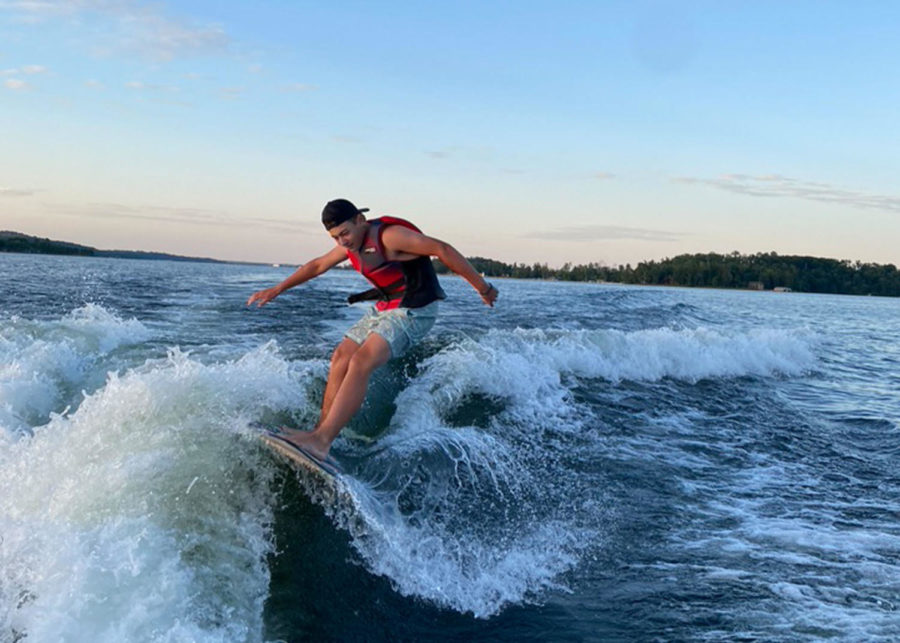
(756, 285)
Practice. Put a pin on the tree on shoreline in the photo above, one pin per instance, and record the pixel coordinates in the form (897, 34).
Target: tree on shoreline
(711, 270)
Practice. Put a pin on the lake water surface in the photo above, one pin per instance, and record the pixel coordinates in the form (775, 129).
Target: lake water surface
(583, 462)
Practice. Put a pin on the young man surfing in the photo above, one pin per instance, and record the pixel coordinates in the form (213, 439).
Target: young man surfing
(395, 257)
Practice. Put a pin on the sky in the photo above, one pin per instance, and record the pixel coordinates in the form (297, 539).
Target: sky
(551, 132)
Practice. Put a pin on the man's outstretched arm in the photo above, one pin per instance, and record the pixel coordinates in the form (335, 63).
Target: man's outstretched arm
(402, 239)
(304, 273)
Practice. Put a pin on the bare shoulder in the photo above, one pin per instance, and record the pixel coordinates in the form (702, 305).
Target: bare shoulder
(403, 241)
(398, 234)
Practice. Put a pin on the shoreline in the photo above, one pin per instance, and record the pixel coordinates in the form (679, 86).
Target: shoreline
(754, 270)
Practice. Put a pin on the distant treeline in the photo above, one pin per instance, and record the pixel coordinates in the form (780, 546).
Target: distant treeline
(18, 242)
(735, 270)
(761, 270)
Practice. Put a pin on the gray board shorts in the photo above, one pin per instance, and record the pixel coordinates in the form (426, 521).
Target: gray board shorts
(400, 327)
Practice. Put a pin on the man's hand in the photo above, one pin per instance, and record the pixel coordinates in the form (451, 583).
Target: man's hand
(490, 295)
(263, 297)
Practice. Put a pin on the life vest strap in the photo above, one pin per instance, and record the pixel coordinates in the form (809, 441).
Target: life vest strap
(385, 294)
(366, 295)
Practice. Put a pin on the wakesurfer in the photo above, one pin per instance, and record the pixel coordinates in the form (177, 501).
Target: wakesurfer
(395, 256)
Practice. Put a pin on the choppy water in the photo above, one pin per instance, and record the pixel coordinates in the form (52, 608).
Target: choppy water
(585, 462)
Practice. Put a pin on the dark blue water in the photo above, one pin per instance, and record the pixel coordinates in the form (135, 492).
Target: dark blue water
(583, 462)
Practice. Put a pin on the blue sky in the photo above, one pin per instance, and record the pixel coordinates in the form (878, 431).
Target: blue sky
(550, 132)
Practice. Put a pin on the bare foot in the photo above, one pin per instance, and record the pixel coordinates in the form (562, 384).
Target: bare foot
(311, 441)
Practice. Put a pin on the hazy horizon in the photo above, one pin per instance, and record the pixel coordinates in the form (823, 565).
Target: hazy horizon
(347, 265)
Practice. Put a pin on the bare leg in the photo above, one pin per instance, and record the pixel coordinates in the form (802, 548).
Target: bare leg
(340, 360)
(348, 399)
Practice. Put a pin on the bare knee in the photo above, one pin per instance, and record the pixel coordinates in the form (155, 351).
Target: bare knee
(343, 354)
(360, 364)
(366, 360)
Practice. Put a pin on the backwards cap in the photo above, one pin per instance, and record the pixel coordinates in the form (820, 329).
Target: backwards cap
(336, 212)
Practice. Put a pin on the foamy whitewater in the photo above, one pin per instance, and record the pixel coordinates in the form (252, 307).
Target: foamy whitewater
(583, 462)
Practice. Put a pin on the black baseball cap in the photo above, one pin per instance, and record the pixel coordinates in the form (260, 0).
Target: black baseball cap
(336, 212)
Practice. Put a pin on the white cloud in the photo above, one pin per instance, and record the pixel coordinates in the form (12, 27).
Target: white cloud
(139, 85)
(17, 83)
(160, 38)
(12, 192)
(231, 93)
(464, 153)
(180, 215)
(131, 26)
(776, 185)
(41, 9)
(602, 233)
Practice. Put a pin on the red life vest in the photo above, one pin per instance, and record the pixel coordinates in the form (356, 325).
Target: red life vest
(406, 284)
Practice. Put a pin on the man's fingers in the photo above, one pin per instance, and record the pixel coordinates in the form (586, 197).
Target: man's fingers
(490, 296)
(257, 298)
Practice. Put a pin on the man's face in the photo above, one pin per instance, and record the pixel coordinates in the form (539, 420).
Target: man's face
(349, 234)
